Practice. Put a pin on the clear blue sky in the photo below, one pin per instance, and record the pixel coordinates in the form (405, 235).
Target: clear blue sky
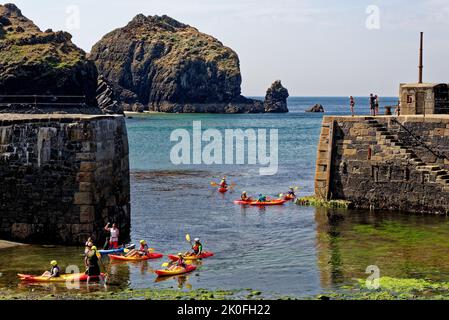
(316, 47)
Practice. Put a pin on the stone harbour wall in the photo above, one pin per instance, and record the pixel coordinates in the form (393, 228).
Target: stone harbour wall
(63, 177)
(389, 163)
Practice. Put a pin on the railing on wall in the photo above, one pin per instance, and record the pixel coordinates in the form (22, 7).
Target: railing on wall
(435, 153)
(42, 100)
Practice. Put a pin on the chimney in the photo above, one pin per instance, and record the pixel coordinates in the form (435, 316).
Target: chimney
(420, 67)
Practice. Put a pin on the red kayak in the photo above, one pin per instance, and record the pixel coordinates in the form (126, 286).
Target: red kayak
(151, 255)
(276, 202)
(223, 190)
(175, 271)
(203, 255)
(289, 197)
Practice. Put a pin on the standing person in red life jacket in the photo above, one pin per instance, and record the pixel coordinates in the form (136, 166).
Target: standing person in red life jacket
(113, 239)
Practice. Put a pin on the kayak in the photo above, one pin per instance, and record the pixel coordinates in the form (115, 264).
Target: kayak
(264, 203)
(175, 271)
(289, 197)
(151, 255)
(223, 190)
(116, 250)
(61, 278)
(203, 255)
(110, 251)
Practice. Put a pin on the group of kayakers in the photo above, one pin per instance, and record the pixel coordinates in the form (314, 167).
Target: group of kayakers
(263, 198)
(224, 186)
(92, 256)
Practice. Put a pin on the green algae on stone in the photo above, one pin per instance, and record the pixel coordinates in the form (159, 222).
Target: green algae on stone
(315, 202)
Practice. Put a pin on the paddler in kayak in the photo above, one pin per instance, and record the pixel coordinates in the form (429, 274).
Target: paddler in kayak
(291, 192)
(245, 197)
(261, 198)
(54, 271)
(178, 263)
(91, 262)
(223, 184)
(197, 247)
(142, 251)
(113, 239)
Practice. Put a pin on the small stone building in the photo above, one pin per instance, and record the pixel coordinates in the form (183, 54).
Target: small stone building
(424, 98)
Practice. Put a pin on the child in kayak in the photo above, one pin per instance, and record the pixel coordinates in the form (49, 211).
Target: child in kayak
(262, 198)
(54, 271)
(245, 197)
(142, 251)
(180, 263)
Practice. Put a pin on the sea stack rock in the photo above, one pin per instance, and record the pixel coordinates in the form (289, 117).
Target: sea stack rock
(167, 66)
(33, 62)
(276, 98)
(316, 108)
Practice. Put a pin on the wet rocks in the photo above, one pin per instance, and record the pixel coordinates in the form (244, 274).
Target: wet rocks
(316, 108)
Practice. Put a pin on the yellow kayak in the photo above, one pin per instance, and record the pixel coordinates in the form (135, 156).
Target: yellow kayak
(175, 271)
(61, 278)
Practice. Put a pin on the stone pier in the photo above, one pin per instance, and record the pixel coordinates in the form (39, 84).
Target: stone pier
(63, 177)
(390, 163)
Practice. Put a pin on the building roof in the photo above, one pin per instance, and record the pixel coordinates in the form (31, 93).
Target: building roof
(419, 85)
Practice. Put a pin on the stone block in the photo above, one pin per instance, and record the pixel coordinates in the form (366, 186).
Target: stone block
(87, 214)
(349, 152)
(88, 166)
(86, 186)
(85, 177)
(83, 198)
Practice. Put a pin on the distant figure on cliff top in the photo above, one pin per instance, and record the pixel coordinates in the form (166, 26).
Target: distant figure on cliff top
(376, 104)
(113, 239)
(372, 104)
(351, 105)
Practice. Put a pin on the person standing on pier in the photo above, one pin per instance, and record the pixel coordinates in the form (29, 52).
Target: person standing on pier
(351, 104)
(376, 105)
(372, 104)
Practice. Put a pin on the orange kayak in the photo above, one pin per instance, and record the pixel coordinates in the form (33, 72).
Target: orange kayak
(151, 255)
(276, 202)
(289, 197)
(175, 271)
(203, 255)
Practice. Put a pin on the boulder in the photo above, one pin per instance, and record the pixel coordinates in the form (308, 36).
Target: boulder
(316, 108)
(276, 98)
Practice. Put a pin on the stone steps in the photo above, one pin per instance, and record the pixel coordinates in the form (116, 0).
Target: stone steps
(391, 143)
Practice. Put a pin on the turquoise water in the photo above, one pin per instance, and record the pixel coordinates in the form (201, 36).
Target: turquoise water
(287, 250)
(271, 249)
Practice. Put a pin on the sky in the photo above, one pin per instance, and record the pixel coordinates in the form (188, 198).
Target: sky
(316, 47)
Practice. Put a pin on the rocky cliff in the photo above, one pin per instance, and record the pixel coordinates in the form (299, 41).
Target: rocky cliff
(33, 62)
(160, 64)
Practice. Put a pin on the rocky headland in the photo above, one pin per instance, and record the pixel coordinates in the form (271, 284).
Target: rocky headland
(159, 64)
(44, 63)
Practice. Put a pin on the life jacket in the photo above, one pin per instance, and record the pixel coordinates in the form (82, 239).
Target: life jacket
(196, 248)
(223, 183)
(54, 271)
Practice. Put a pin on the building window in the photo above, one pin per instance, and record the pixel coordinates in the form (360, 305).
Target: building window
(409, 98)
